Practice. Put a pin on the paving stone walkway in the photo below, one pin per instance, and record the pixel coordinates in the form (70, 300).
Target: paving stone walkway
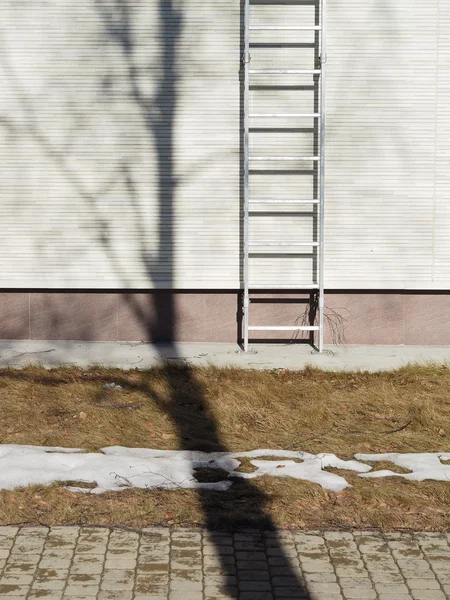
(187, 564)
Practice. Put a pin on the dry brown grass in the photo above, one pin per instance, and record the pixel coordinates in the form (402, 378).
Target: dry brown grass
(172, 408)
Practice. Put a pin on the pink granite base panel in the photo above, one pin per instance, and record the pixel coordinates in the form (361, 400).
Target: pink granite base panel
(180, 316)
(372, 318)
(73, 316)
(365, 318)
(427, 319)
(14, 316)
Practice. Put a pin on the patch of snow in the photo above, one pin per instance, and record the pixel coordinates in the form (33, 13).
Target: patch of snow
(422, 466)
(310, 469)
(18, 449)
(117, 468)
(108, 473)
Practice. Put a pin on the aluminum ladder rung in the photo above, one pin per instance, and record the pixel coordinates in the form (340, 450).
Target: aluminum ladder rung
(305, 286)
(283, 116)
(251, 202)
(288, 328)
(281, 244)
(281, 28)
(279, 213)
(285, 71)
(285, 158)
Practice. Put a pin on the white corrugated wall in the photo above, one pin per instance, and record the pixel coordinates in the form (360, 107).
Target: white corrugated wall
(106, 185)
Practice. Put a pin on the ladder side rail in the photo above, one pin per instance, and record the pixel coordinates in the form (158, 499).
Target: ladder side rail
(323, 65)
(246, 59)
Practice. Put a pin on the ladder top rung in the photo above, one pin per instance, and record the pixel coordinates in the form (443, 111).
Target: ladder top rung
(293, 328)
(289, 158)
(282, 244)
(258, 286)
(285, 71)
(288, 28)
(284, 201)
(282, 213)
(283, 115)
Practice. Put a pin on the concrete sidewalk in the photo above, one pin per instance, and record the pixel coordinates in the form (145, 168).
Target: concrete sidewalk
(77, 563)
(261, 356)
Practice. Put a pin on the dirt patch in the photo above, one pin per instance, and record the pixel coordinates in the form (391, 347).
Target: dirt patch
(210, 475)
(386, 465)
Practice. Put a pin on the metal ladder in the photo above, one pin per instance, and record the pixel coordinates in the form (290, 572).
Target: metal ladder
(270, 248)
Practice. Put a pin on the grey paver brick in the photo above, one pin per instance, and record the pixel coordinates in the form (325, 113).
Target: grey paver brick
(256, 596)
(287, 594)
(396, 589)
(116, 585)
(338, 535)
(394, 597)
(13, 590)
(408, 574)
(221, 591)
(416, 564)
(317, 566)
(289, 552)
(84, 580)
(8, 532)
(150, 589)
(213, 550)
(88, 548)
(329, 588)
(146, 597)
(180, 585)
(253, 575)
(125, 575)
(282, 561)
(175, 595)
(220, 580)
(320, 577)
(252, 565)
(349, 572)
(87, 569)
(49, 584)
(120, 563)
(348, 582)
(153, 567)
(359, 594)
(51, 573)
(424, 584)
(255, 586)
(325, 596)
(122, 596)
(187, 574)
(386, 577)
(55, 563)
(185, 535)
(46, 595)
(123, 539)
(16, 579)
(80, 591)
(427, 595)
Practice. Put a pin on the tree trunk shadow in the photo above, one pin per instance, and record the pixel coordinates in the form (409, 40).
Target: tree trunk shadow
(260, 556)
